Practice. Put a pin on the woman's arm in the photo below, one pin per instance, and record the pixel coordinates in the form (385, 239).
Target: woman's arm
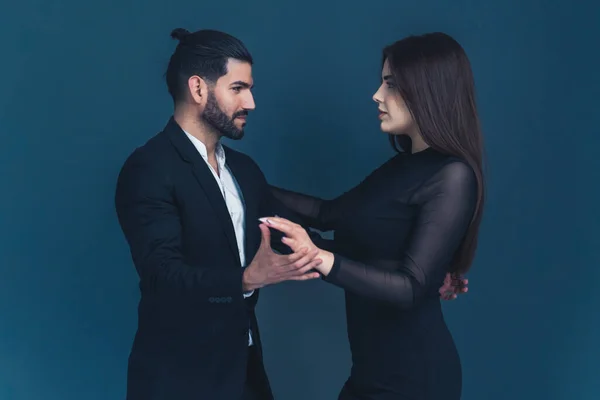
(319, 213)
(293, 207)
(446, 205)
(306, 207)
(315, 212)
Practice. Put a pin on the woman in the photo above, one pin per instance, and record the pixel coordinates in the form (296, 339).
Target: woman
(403, 228)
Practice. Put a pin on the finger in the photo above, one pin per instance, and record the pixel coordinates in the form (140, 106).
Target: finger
(294, 257)
(280, 224)
(265, 234)
(296, 265)
(304, 277)
(282, 221)
(461, 286)
(458, 280)
(311, 265)
(291, 243)
(291, 258)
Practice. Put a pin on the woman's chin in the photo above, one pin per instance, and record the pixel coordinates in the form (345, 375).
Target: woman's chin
(384, 128)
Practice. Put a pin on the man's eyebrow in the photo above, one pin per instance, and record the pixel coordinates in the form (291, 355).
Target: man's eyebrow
(242, 83)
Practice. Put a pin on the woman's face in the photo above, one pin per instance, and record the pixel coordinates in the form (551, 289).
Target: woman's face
(393, 113)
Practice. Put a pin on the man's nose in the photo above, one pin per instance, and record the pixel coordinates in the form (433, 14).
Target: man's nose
(249, 102)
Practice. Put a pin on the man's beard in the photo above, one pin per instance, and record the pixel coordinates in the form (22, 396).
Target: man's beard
(215, 117)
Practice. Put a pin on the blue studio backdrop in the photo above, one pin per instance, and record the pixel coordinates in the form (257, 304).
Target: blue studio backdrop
(82, 85)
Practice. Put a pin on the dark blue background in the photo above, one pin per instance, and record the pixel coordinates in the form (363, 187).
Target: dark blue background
(81, 86)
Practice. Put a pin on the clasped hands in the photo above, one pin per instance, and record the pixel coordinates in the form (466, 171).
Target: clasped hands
(269, 268)
(308, 256)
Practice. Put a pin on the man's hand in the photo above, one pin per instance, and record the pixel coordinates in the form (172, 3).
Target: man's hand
(295, 237)
(453, 286)
(268, 268)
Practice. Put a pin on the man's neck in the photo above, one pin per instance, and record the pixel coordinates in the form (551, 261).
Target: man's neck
(200, 131)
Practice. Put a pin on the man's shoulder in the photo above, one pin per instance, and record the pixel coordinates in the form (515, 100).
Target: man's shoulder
(153, 150)
(148, 165)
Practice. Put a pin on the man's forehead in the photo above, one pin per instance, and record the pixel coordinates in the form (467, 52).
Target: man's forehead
(238, 71)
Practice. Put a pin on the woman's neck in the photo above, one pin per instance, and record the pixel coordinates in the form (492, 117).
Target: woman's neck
(418, 144)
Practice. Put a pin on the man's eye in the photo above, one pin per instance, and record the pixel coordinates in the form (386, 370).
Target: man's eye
(237, 89)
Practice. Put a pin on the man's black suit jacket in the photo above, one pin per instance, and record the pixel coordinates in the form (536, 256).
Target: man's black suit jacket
(193, 321)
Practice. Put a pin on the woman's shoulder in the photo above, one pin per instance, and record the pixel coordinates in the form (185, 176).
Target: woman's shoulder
(441, 172)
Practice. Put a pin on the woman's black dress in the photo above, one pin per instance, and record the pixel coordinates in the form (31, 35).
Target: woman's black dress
(395, 236)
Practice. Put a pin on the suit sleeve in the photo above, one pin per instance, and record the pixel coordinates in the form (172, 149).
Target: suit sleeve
(446, 204)
(150, 221)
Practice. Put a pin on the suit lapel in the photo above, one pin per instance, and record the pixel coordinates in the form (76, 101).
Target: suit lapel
(206, 180)
(251, 195)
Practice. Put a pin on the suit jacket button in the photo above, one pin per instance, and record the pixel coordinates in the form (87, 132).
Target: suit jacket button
(211, 299)
(229, 299)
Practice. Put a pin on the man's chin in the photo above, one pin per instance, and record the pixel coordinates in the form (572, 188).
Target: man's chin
(235, 135)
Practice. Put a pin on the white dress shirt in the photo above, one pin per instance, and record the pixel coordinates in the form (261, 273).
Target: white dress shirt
(232, 196)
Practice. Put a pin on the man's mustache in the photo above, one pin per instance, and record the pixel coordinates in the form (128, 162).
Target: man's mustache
(239, 114)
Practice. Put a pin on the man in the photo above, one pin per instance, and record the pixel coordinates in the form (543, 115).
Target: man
(189, 209)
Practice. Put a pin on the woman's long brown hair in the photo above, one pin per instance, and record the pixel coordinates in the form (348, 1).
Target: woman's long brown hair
(433, 76)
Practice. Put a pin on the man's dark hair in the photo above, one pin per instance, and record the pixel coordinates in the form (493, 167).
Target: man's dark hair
(203, 53)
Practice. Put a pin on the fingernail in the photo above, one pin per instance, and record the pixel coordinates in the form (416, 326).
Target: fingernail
(265, 220)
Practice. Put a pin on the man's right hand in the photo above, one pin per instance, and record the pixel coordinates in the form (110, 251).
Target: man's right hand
(268, 268)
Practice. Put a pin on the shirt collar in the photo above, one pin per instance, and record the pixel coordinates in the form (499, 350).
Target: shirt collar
(201, 147)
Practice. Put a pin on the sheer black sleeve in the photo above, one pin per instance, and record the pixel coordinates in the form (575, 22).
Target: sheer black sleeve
(315, 212)
(282, 206)
(318, 213)
(446, 205)
(306, 207)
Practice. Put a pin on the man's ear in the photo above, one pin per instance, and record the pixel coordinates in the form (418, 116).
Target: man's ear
(198, 90)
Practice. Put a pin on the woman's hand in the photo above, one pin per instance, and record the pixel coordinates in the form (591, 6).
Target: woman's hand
(453, 286)
(296, 238)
